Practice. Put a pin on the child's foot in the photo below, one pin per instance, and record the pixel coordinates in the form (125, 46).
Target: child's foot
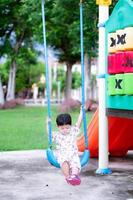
(73, 180)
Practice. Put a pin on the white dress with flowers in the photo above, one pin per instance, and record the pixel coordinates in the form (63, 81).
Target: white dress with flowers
(66, 147)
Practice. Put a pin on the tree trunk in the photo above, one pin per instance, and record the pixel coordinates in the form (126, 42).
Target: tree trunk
(11, 82)
(68, 81)
(87, 77)
(1, 93)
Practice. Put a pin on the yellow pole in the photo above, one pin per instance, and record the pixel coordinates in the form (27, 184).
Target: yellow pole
(103, 2)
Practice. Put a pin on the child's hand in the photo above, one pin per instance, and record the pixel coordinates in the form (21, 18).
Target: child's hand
(85, 108)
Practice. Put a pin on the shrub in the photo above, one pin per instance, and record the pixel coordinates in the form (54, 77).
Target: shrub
(69, 104)
(12, 103)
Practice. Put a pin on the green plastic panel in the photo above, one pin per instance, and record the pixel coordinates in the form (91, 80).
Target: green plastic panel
(119, 84)
(128, 81)
(111, 84)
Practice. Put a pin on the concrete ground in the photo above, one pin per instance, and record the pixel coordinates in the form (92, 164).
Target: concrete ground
(27, 175)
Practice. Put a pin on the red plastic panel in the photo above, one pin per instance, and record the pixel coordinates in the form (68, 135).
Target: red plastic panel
(111, 64)
(128, 61)
(120, 60)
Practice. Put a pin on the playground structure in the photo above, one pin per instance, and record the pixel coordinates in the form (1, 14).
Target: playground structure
(118, 89)
(113, 119)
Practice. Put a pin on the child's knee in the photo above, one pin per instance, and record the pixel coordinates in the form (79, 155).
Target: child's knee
(65, 163)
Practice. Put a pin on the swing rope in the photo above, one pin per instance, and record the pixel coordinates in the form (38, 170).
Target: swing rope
(83, 74)
(50, 155)
(47, 78)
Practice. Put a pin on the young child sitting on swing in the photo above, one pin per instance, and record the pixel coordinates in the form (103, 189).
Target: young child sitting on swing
(67, 150)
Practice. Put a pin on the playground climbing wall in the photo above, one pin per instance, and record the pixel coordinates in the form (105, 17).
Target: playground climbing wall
(119, 51)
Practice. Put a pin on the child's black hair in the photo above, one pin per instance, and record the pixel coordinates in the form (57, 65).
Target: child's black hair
(63, 119)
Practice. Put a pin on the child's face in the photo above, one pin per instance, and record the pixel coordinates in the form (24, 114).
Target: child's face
(65, 129)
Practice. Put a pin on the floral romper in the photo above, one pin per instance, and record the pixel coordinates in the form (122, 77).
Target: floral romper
(66, 147)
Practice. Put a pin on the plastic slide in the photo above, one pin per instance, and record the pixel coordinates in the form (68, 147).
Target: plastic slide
(120, 136)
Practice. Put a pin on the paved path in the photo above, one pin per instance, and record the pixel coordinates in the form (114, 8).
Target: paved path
(26, 175)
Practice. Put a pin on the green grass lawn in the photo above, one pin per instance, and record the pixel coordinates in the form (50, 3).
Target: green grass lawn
(24, 128)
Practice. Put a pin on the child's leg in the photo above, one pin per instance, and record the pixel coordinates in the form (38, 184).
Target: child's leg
(75, 165)
(65, 168)
(75, 170)
(73, 178)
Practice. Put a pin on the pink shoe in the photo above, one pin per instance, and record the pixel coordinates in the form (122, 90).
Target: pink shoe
(73, 180)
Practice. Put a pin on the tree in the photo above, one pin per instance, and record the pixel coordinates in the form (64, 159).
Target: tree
(26, 76)
(4, 77)
(17, 34)
(1, 93)
(63, 32)
(21, 25)
(59, 35)
(76, 80)
(61, 78)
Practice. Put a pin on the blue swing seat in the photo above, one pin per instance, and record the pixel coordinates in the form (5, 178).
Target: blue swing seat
(84, 159)
(51, 158)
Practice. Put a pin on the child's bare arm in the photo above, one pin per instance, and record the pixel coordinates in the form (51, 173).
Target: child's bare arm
(80, 117)
(79, 121)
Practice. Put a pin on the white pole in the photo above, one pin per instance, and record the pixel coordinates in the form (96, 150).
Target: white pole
(59, 92)
(103, 126)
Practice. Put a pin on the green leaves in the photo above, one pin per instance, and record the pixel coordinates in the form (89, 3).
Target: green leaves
(63, 28)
